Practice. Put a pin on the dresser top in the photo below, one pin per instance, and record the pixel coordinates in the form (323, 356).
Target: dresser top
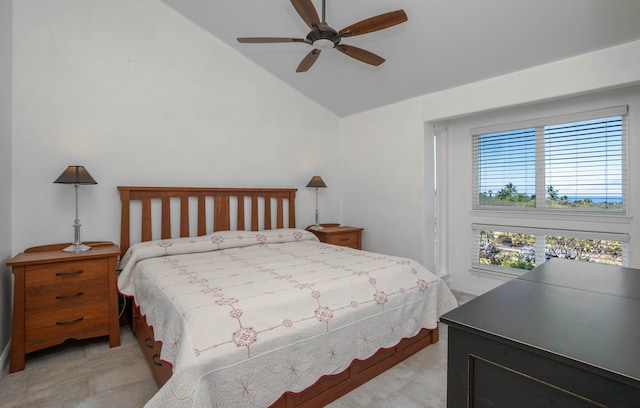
(51, 254)
(589, 313)
(335, 228)
(588, 276)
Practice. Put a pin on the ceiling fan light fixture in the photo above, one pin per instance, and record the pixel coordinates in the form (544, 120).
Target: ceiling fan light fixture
(323, 44)
(323, 37)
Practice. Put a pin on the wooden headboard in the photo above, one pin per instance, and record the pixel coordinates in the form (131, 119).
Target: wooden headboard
(213, 208)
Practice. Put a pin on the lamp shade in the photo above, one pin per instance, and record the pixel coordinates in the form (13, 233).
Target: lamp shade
(75, 175)
(316, 181)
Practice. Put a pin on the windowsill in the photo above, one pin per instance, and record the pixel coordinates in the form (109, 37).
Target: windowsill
(586, 216)
(490, 273)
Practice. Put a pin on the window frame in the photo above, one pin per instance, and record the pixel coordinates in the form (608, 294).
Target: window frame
(588, 223)
(540, 244)
(540, 181)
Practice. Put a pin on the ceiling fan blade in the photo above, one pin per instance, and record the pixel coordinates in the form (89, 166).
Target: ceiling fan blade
(308, 60)
(360, 54)
(376, 23)
(268, 39)
(308, 12)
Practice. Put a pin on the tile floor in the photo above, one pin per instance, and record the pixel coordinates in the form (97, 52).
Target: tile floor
(89, 374)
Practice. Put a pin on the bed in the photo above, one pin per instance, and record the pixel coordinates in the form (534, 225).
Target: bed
(235, 306)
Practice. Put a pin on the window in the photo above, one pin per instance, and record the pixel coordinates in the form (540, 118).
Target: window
(531, 177)
(577, 165)
(506, 164)
(505, 251)
(583, 164)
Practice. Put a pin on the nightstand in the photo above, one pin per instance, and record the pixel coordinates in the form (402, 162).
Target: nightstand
(63, 295)
(338, 235)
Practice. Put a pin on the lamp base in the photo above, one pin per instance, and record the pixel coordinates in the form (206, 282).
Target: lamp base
(77, 248)
(317, 227)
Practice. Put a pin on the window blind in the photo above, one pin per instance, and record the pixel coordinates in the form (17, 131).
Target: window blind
(584, 161)
(577, 165)
(505, 164)
(611, 236)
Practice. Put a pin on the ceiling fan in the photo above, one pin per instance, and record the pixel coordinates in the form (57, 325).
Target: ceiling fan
(323, 37)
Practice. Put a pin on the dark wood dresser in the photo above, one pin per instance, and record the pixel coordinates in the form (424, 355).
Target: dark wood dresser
(566, 334)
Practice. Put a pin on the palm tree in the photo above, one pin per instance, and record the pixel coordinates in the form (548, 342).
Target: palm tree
(552, 193)
(508, 191)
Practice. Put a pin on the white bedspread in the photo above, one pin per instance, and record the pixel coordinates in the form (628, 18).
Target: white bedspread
(246, 316)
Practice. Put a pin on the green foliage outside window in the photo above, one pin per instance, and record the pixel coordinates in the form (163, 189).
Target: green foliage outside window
(516, 250)
(508, 196)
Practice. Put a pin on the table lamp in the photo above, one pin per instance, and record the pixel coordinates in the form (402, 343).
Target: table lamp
(76, 175)
(316, 182)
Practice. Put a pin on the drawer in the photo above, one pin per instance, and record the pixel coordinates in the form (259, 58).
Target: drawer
(44, 329)
(348, 239)
(65, 272)
(144, 333)
(151, 349)
(72, 295)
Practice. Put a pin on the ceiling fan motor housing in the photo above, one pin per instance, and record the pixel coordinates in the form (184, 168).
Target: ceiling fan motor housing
(323, 38)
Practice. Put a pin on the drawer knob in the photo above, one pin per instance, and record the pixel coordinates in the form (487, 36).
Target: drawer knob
(69, 296)
(156, 360)
(78, 272)
(71, 321)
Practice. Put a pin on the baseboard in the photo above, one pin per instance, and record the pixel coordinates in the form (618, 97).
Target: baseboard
(4, 360)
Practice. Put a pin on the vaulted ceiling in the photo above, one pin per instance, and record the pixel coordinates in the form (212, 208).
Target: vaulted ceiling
(444, 43)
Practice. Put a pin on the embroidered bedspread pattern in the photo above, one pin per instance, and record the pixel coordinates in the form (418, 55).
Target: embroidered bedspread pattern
(243, 325)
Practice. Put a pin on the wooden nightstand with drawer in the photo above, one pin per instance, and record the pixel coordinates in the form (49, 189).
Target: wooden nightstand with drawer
(63, 295)
(339, 235)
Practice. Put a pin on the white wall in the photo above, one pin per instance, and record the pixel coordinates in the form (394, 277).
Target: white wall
(6, 285)
(603, 69)
(142, 96)
(384, 164)
(384, 182)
